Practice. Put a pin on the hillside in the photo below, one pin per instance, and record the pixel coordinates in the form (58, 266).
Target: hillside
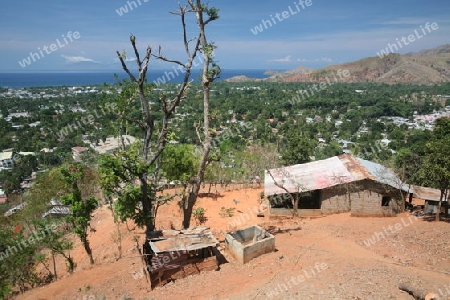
(425, 67)
(352, 266)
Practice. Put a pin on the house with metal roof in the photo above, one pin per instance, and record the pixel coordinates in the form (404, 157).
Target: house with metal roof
(57, 209)
(338, 184)
(431, 198)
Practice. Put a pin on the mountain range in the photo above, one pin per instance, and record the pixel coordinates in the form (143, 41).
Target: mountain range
(427, 67)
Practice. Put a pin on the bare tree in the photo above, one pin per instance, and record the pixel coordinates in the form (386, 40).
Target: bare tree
(147, 165)
(211, 71)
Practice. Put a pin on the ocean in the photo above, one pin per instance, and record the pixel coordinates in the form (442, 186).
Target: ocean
(20, 80)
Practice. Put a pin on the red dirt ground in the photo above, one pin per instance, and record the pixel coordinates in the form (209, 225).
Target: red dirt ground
(323, 258)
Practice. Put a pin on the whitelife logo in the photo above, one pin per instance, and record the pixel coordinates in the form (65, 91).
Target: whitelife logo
(31, 239)
(83, 121)
(49, 49)
(391, 48)
(307, 274)
(321, 86)
(130, 4)
(378, 236)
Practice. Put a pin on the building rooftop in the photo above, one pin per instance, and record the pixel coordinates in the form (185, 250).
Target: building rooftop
(327, 173)
(112, 143)
(184, 240)
(426, 193)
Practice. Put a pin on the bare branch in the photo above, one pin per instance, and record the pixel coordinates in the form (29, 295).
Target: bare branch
(168, 198)
(146, 62)
(125, 68)
(136, 52)
(163, 58)
(278, 184)
(198, 133)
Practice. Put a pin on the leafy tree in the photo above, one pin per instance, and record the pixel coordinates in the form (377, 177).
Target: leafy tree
(407, 162)
(118, 174)
(298, 147)
(179, 162)
(57, 243)
(17, 261)
(435, 171)
(81, 207)
(330, 150)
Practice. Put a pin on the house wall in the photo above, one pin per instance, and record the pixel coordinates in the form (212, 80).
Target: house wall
(335, 200)
(362, 198)
(301, 212)
(433, 206)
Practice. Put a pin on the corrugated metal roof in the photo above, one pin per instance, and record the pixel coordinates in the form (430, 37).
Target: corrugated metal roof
(326, 173)
(382, 174)
(186, 240)
(57, 210)
(427, 193)
(14, 209)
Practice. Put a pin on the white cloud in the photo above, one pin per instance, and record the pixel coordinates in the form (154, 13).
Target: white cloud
(76, 59)
(283, 60)
(127, 59)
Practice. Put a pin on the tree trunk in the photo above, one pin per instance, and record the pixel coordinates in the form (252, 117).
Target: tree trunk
(206, 80)
(147, 207)
(71, 264)
(88, 250)
(119, 238)
(54, 265)
(446, 203)
(188, 207)
(295, 209)
(438, 213)
(70, 261)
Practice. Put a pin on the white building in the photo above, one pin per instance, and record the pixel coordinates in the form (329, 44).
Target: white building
(6, 160)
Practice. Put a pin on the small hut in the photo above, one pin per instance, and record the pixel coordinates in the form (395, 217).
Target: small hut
(176, 254)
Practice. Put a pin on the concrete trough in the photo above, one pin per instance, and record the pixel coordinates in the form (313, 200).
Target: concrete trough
(248, 243)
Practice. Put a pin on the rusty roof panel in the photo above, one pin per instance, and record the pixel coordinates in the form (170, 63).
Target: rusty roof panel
(326, 173)
(307, 177)
(187, 240)
(354, 166)
(427, 193)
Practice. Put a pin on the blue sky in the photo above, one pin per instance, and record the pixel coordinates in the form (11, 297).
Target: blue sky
(323, 33)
